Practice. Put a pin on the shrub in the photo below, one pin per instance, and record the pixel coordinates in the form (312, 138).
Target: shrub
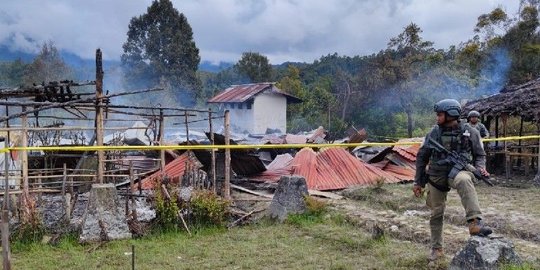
(31, 229)
(29, 232)
(208, 208)
(166, 210)
(379, 182)
(314, 213)
(314, 206)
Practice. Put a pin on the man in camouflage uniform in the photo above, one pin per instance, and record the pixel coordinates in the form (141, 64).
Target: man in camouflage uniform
(454, 136)
(472, 119)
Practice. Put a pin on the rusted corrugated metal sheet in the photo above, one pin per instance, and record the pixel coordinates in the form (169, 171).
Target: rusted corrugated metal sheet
(335, 168)
(380, 164)
(272, 139)
(400, 172)
(305, 164)
(318, 136)
(174, 170)
(140, 163)
(281, 165)
(240, 93)
(280, 162)
(408, 152)
(358, 136)
(244, 92)
(295, 139)
(389, 177)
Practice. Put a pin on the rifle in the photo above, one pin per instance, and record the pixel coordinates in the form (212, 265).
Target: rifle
(459, 162)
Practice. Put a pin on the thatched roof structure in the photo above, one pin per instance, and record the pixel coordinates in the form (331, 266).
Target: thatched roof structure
(518, 100)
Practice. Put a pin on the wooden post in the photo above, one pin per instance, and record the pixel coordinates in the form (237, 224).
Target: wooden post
(24, 158)
(161, 135)
(497, 129)
(67, 203)
(507, 165)
(64, 179)
(70, 190)
(6, 256)
(519, 141)
(213, 153)
(131, 187)
(39, 186)
(132, 257)
(5, 205)
(488, 123)
(538, 159)
(227, 182)
(187, 128)
(99, 115)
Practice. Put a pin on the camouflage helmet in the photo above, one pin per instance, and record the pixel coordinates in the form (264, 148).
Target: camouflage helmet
(449, 106)
(473, 114)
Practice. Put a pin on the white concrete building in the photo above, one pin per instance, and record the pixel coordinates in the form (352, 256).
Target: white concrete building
(256, 107)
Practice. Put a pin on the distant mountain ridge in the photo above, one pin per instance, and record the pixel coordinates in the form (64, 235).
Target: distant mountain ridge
(77, 62)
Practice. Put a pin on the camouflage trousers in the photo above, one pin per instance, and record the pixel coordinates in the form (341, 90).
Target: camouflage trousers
(436, 201)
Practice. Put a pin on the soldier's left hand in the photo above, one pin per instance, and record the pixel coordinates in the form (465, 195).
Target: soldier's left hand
(484, 172)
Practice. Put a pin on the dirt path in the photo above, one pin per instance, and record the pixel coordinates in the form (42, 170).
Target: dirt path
(514, 214)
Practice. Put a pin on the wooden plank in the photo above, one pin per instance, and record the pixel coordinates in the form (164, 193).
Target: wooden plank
(6, 254)
(227, 182)
(24, 154)
(213, 152)
(324, 194)
(161, 141)
(131, 188)
(251, 191)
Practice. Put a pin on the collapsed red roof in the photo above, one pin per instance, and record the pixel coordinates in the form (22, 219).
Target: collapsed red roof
(174, 170)
(332, 168)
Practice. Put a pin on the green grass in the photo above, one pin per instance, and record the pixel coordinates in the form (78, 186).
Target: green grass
(326, 242)
(386, 197)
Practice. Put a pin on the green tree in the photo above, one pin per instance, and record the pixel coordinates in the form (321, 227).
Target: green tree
(408, 55)
(12, 73)
(492, 25)
(159, 48)
(47, 66)
(523, 42)
(255, 67)
(292, 84)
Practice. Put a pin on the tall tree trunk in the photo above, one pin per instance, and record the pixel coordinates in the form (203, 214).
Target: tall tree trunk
(347, 96)
(409, 112)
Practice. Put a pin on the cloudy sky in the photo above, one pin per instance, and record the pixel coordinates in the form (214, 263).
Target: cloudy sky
(283, 30)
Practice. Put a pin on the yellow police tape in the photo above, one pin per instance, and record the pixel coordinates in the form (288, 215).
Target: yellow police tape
(235, 146)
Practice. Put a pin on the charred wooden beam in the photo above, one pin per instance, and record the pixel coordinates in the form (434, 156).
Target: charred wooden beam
(52, 105)
(154, 108)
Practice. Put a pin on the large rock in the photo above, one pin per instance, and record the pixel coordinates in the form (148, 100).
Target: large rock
(485, 253)
(289, 197)
(102, 221)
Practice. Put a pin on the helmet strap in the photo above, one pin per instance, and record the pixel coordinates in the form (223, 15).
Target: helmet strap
(449, 120)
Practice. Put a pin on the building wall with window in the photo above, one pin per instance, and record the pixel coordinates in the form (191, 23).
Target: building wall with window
(241, 115)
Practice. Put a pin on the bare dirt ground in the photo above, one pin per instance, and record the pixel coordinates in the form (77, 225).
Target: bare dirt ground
(514, 213)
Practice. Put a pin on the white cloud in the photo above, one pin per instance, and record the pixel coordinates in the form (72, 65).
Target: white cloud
(284, 30)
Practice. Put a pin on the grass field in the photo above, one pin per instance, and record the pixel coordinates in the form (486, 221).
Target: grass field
(337, 239)
(303, 243)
